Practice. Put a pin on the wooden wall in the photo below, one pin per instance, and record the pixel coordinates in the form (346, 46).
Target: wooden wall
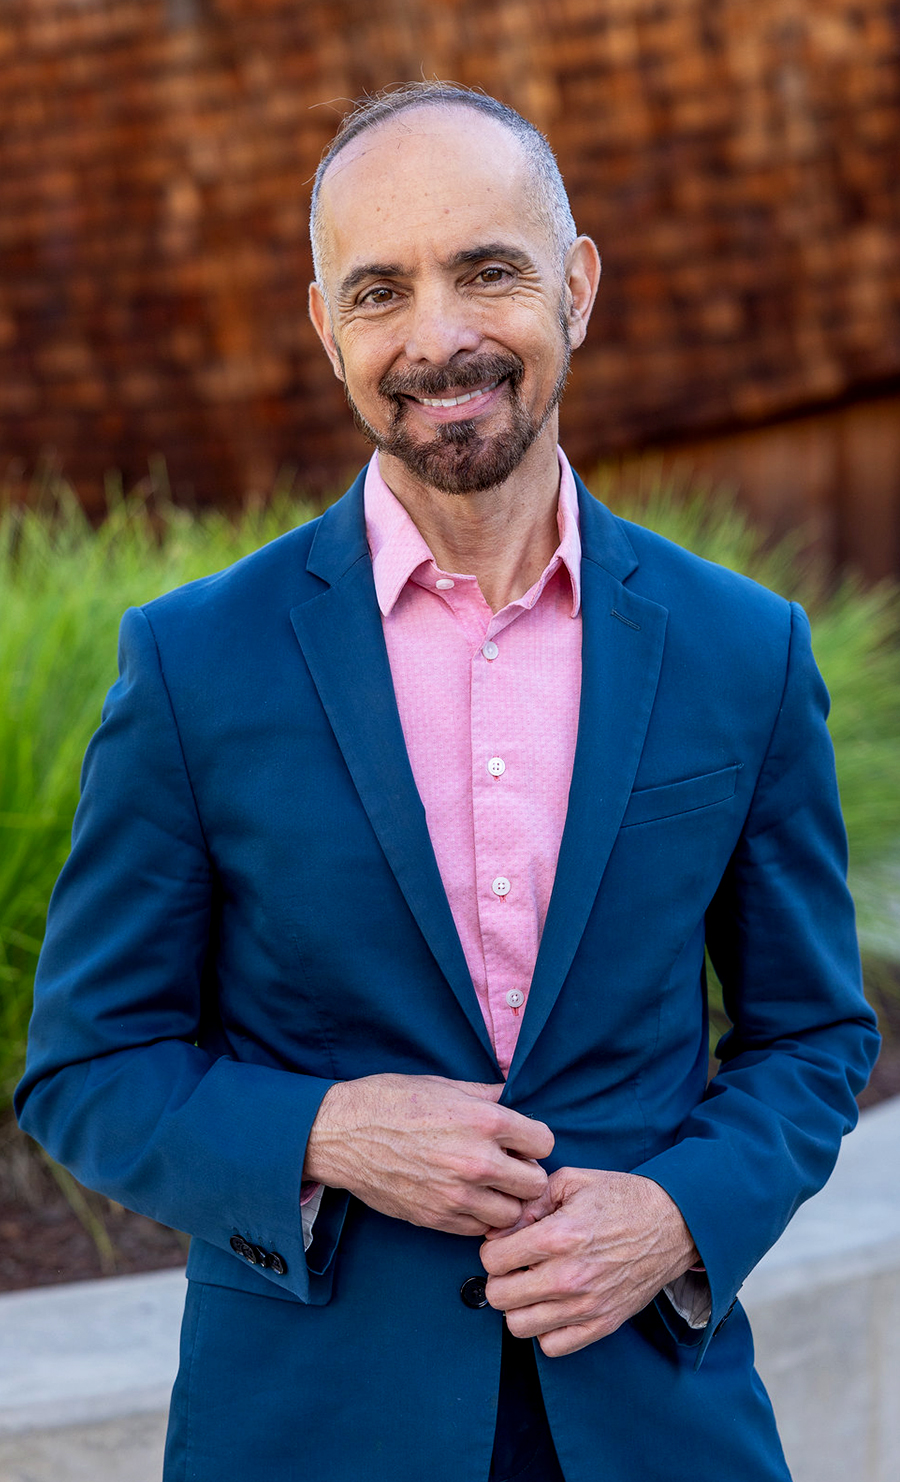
(833, 473)
(736, 160)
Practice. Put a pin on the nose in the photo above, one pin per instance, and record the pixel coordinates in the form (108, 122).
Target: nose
(440, 326)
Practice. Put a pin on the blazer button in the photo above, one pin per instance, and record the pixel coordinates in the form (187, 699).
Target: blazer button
(473, 1293)
(277, 1263)
(242, 1247)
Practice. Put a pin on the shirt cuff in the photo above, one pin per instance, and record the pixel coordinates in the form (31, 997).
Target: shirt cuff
(310, 1200)
(691, 1297)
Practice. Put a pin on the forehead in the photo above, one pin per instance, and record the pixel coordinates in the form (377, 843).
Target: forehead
(431, 178)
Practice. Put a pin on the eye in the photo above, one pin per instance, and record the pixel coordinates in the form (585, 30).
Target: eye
(493, 275)
(377, 297)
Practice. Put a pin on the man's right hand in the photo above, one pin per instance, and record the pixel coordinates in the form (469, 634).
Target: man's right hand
(432, 1151)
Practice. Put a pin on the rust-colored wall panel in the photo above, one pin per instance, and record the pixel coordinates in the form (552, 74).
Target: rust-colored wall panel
(736, 161)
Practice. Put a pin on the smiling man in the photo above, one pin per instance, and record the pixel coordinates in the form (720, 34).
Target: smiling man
(378, 963)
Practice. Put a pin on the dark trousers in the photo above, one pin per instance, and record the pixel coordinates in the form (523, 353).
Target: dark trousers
(523, 1446)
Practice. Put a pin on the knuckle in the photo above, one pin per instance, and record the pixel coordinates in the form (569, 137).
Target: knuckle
(490, 1260)
(545, 1138)
(477, 1169)
(569, 1278)
(555, 1238)
(535, 1178)
(493, 1119)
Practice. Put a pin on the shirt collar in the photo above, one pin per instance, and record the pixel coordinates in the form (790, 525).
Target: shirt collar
(399, 549)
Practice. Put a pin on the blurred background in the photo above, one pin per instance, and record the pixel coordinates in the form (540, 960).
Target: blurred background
(165, 406)
(737, 161)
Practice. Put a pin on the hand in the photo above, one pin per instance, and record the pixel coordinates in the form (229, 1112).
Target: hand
(595, 1248)
(432, 1151)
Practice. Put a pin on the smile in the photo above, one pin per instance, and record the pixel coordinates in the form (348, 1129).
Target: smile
(456, 401)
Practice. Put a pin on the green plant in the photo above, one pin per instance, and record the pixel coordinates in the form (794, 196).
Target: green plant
(63, 588)
(64, 585)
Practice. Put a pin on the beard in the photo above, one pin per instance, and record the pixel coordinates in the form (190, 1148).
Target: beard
(459, 458)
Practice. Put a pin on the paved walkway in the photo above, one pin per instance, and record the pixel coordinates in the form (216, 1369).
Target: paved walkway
(126, 1450)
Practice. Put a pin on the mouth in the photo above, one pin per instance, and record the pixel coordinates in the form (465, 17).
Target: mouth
(456, 401)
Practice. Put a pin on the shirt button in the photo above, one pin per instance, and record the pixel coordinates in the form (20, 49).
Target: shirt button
(501, 886)
(496, 766)
(490, 649)
(515, 998)
(444, 584)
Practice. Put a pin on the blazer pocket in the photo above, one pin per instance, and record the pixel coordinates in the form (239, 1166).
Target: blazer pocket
(650, 803)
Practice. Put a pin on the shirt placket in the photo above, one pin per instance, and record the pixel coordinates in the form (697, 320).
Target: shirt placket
(501, 884)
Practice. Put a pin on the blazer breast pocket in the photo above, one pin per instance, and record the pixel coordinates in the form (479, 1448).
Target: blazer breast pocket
(648, 804)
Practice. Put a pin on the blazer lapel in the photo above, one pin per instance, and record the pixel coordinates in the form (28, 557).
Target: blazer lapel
(340, 633)
(622, 645)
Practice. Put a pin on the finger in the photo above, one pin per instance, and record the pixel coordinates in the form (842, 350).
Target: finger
(519, 1290)
(484, 1090)
(537, 1209)
(490, 1207)
(539, 1320)
(462, 1224)
(529, 1246)
(525, 1181)
(560, 1341)
(526, 1135)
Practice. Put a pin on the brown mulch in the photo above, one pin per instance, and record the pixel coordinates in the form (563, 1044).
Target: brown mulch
(43, 1240)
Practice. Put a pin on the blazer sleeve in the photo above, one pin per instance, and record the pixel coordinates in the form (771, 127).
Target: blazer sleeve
(781, 935)
(116, 1085)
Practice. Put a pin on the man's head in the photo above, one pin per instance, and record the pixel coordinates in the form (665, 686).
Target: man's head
(448, 271)
(550, 197)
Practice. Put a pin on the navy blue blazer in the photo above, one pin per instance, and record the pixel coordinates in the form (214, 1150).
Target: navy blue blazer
(252, 910)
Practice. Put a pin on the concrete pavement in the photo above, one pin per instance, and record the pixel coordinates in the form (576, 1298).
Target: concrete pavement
(86, 1369)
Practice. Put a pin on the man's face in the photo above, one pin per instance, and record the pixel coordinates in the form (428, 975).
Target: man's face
(445, 308)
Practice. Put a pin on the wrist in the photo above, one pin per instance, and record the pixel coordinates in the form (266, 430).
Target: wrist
(326, 1139)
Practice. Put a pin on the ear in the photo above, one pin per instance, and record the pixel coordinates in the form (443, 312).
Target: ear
(321, 318)
(582, 274)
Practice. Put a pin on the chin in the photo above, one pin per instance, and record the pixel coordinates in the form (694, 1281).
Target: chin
(459, 459)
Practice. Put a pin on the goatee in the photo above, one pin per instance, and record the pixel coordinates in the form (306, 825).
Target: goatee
(459, 458)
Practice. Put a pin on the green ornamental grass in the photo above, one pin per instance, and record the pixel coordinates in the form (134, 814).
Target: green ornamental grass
(65, 584)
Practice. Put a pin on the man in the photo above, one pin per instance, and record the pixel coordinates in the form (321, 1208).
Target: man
(399, 848)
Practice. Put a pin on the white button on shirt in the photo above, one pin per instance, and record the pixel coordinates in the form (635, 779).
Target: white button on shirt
(501, 886)
(445, 584)
(462, 711)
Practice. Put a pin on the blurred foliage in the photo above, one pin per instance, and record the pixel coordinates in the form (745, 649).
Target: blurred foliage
(63, 588)
(64, 585)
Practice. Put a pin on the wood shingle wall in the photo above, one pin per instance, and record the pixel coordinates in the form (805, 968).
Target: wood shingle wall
(738, 162)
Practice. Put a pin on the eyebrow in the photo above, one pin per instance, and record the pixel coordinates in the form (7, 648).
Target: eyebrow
(369, 270)
(466, 257)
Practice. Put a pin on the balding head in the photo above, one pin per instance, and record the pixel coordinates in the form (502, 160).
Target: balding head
(549, 193)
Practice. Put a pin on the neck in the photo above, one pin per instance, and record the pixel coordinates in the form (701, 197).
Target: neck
(503, 536)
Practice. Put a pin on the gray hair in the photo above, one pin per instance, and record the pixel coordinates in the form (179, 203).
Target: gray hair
(551, 198)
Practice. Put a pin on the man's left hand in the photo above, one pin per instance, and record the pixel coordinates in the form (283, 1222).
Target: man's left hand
(598, 1248)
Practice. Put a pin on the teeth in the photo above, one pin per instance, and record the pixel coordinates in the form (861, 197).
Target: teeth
(456, 401)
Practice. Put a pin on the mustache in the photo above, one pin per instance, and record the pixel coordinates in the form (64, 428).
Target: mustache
(438, 379)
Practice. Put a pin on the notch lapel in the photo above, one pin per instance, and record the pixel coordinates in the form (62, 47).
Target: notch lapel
(622, 644)
(341, 635)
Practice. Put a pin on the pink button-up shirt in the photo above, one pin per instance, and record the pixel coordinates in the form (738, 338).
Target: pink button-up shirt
(489, 708)
(489, 704)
